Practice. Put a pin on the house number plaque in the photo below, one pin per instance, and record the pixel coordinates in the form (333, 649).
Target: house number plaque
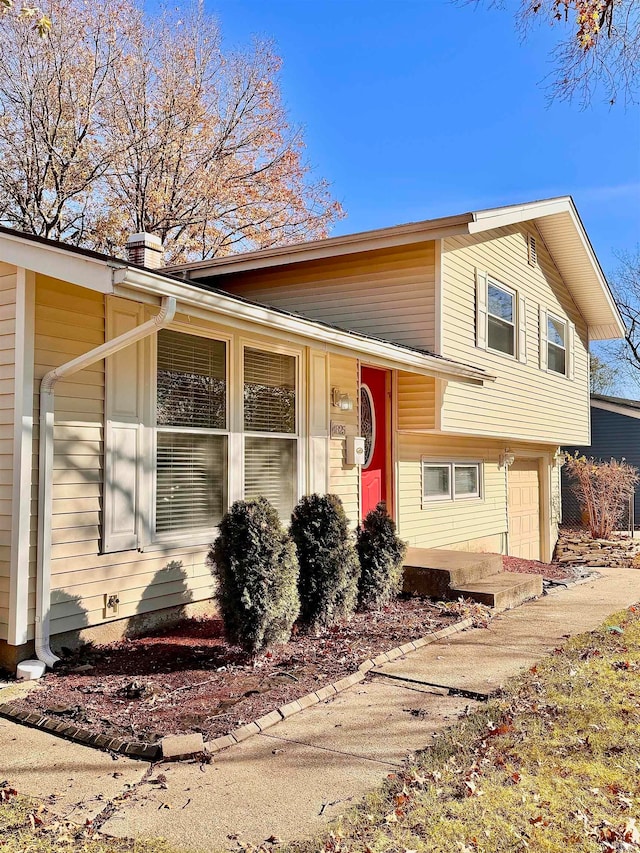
(338, 430)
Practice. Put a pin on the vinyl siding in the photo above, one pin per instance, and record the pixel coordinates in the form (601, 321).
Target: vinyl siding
(387, 293)
(344, 480)
(444, 524)
(524, 402)
(416, 400)
(475, 524)
(7, 386)
(70, 321)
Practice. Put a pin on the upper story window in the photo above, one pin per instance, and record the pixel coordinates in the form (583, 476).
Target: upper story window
(558, 341)
(501, 315)
(556, 344)
(271, 428)
(191, 433)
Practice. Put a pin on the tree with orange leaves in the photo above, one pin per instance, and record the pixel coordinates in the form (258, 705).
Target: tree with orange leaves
(116, 123)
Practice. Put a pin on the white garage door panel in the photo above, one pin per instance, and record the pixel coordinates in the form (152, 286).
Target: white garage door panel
(524, 509)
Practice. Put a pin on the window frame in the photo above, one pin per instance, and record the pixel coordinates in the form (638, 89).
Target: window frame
(478, 493)
(429, 463)
(242, 344)
(198, 536)
(551, 316)
(451, 464)
(513, 323)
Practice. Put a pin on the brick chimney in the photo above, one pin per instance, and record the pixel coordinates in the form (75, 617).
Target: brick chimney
(145, 250)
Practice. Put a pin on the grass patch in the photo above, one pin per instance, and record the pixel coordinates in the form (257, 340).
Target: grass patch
(552, 765)
(26, 827)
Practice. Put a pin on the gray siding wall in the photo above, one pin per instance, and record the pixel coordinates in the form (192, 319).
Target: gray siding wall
(613, 436)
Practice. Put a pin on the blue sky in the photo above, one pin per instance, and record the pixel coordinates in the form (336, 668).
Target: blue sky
(422, 108)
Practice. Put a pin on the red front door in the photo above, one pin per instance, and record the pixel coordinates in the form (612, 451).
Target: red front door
(374, 428)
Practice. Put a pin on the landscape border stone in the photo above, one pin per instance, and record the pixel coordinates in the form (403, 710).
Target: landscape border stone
(153, 751)
(331, 690)
(560, 585)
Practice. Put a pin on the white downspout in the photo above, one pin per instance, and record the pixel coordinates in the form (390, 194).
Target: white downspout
(46, 449)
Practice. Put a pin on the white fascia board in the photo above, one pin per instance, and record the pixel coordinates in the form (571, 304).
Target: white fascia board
(376, 351)
(388, 238)
(499, 217)
(627, 411)
(57, 262)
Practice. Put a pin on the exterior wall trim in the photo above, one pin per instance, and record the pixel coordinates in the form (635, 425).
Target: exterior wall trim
(627, 412)
(439, 296)
(22, 457)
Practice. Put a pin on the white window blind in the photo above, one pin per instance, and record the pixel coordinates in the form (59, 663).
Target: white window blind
(191, 454)
(269, 391)
(270, 471)
(270, 463)
(191, 381)
(191, 481)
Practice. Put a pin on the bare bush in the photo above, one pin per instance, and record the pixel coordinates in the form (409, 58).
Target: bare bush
(603, 490)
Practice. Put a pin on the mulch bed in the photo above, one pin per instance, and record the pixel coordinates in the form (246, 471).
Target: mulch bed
(188, 679)
(553, 571)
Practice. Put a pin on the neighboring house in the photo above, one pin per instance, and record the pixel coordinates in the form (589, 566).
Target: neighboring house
(456, 347)
(615, 434)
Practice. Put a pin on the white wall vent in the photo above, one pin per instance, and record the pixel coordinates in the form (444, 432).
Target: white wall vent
(532, 250)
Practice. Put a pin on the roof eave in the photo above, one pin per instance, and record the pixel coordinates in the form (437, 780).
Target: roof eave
(365, 241)
(610, 327)
(383, 353)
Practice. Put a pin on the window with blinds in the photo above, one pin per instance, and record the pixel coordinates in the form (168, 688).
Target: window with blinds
(192, 388)
(269, 398)
(270, 471)
(269, 391)
(191, 454)
(190, 481)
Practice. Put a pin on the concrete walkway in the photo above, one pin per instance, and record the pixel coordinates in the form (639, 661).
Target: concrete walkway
(290, 781)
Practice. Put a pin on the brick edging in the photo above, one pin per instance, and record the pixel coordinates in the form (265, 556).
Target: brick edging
(285, 711)
(153, 751)
(68, 731)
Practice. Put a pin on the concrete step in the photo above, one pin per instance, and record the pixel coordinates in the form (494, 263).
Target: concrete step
(432, 571)
(501, 591)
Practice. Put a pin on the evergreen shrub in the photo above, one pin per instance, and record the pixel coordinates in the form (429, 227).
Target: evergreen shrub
(254, 562)
(381, 553)
(329, 567)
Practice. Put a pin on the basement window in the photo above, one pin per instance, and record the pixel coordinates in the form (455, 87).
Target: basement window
(451, 481)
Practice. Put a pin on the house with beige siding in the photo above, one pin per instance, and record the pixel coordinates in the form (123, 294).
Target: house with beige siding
(437, 366)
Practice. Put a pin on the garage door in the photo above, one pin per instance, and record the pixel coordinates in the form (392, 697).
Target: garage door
(524, 509)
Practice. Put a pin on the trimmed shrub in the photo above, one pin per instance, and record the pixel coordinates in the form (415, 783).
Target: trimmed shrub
(329, 567)
(254, 562)
(381, 553)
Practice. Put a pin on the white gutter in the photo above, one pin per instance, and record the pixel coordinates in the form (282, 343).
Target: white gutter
(46, 450)
(153, 283)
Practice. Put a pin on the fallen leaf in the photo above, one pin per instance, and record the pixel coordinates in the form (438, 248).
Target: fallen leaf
(630, 832)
